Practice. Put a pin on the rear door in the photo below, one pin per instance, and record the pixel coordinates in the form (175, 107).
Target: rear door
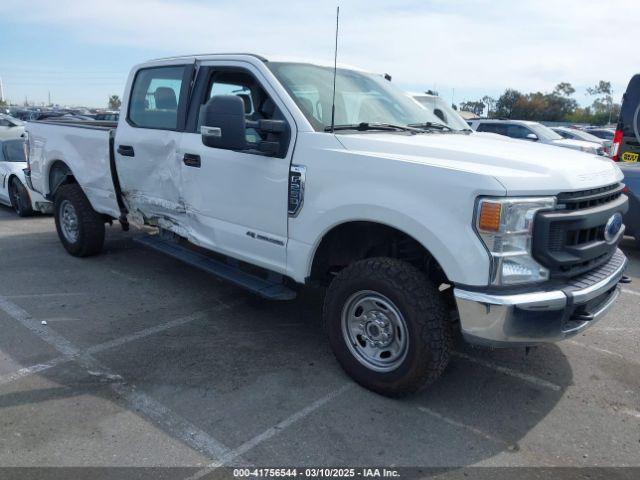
(146, 144)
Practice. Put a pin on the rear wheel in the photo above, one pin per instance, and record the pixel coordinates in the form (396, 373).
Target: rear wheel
(388, 326)
(80, 228)
(20, 200)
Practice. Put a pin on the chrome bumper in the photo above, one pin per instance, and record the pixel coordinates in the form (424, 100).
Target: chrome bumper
(539, 316)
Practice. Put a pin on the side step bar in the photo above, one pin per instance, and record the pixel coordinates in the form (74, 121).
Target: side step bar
(263, 287)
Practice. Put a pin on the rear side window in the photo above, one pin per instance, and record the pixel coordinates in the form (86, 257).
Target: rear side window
(157, 98)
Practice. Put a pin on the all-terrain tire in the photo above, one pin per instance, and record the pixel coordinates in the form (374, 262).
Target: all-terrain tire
(88, 235)
(20, 200)
(428, 327)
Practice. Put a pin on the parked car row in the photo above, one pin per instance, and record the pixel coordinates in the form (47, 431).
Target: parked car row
(534, 132)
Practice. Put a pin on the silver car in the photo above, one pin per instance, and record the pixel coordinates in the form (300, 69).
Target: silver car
(533, 132)
(575, 134)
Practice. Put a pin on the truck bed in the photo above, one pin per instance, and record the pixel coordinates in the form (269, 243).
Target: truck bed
(84, 148)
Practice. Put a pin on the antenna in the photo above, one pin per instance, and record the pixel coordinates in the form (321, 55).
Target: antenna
(335, 72)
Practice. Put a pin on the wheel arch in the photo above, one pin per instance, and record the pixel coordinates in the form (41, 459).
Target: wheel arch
(58, 174)
(353, 240)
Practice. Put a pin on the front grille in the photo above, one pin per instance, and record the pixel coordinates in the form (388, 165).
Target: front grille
(590, 198)
(570, 240)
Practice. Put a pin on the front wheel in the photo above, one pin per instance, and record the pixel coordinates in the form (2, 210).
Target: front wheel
(388, 326)
(80, 228)
(20, 200)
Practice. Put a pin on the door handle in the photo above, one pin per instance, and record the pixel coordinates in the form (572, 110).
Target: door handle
(191, 160)
(126, 151)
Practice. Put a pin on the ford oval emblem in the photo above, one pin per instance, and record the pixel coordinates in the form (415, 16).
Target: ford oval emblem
(613, 227)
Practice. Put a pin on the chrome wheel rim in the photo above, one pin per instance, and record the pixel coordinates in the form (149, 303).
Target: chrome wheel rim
(375, 331)
(69, 221)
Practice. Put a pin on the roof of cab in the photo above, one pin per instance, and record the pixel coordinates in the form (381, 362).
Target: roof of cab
(208, 56)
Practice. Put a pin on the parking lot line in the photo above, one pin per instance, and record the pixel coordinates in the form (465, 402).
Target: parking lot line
(33, 369)
(177, 426)
(598, 349)
(508, 371)
(456, 423)
(631, 292)
(270, 432)
(45, 295)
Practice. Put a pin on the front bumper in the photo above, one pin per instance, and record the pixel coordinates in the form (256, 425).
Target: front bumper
(540, 315)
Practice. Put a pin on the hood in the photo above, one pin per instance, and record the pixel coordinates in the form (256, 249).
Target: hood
(523, 168)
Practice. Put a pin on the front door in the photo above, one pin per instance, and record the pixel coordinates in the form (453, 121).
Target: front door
(146, 145)
(237, 200)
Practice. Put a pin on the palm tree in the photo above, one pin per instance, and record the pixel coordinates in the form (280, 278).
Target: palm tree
(114, 102)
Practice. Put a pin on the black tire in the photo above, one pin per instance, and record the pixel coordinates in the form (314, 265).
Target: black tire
(20, 199)
(89, 238)
(425, 315)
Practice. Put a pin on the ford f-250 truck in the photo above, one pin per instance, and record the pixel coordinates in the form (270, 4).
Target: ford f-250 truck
(414, 227)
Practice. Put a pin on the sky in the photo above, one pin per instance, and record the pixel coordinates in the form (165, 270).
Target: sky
(80, 51)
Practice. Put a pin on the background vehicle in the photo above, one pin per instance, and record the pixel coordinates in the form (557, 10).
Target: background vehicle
(632, 182)
(533, 132)
(626, 143)
(575, 134)
(441, 109)
(604, 133)
(107, 116)
(401, 219)
(10, 127)
(13, 190)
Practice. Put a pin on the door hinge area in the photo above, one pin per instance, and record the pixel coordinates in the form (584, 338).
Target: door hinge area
(297, 179)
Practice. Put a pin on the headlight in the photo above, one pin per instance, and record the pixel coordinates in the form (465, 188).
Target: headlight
(505, 226)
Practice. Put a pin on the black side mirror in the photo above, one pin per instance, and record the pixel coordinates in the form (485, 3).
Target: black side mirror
(223, 124)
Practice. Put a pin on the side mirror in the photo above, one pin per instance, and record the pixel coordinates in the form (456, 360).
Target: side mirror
(532, 136)
(223, 124)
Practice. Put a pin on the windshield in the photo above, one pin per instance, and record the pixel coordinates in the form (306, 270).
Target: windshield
(544, 133)
(360, 97)
(443, 111)
(14, 151)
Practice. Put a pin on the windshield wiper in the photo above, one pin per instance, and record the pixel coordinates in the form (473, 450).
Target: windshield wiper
(431, 125)
(364, 126)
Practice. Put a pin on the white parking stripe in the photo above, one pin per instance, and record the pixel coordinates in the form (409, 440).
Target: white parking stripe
(464, 426)
(46, 295)
(631, 292)
(273, 431)
(630, 412)
(33, 369)
(270, 432)
(150, 408)
(509, 371)
(597, 349)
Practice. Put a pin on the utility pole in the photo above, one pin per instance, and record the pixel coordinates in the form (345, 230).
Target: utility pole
(49, 97)
(1, 91)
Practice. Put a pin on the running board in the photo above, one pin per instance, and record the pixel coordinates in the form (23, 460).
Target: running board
(265, 288)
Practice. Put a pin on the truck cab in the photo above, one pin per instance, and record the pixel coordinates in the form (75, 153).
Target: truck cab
(260, 172)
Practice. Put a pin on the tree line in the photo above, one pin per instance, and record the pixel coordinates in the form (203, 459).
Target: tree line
(555, 106)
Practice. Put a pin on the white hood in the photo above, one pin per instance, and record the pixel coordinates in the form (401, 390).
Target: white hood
(523, 168)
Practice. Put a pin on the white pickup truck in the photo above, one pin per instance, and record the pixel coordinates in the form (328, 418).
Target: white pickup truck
(416, 228)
